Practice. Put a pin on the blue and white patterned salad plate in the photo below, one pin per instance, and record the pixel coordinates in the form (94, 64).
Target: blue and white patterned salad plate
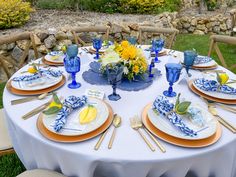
(214, 92)
(39, 83)
(72, 126)
(163, 124)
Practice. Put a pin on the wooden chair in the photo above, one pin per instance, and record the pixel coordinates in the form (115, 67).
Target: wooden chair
(7, 39)
(5, 141)
(40, 173)
(233, 21)
(215, 39)
(98, 29)
(171, 32)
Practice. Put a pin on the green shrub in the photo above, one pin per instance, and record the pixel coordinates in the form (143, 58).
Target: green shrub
(14, 13)
(112, 6)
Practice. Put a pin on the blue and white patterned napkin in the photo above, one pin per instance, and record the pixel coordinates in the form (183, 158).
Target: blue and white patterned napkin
(55, 53)
(165, 108)
(70, 103)
(214, 86)
(202, 59)
(38, 75)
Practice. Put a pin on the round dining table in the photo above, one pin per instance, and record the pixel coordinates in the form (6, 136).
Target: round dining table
(129, 156)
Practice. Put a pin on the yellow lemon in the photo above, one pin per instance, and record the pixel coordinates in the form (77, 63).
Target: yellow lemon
(54, 57)
(63, 49)
(54, 104)
(88, 114)
(224, 78)
(32, 69)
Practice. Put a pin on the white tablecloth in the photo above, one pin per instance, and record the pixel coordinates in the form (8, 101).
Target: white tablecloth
(130, 156)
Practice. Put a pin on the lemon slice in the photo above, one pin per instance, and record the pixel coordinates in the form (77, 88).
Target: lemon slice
(88, 114)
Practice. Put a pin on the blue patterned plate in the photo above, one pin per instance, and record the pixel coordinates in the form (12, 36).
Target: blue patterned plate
(211, 90)
(162, 124)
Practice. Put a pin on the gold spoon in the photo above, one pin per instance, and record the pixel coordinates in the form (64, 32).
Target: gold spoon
(116, 123)
(24, 100)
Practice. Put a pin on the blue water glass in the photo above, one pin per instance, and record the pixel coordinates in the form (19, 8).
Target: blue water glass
(157, 45)
(72, 50)
(72, 65)
(189, 57)
(173, 71)
(97, 44)
(114, 76)
(132, 40)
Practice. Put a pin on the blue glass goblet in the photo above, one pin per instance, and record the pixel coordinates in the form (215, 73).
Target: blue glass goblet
(72, 65)
(132, 40)
(189, 57)
(97, 44)
(157, 45)
(173, 71)
(114, 75)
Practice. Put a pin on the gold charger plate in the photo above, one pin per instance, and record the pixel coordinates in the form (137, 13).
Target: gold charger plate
(35, 92)
(72, 139)
(196, 91)
(52, 63)
(206, 67)
(177, 141)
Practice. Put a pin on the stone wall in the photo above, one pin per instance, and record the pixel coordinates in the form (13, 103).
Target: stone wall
(53, 39)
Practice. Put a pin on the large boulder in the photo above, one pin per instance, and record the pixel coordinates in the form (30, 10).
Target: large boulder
(17, 53)
(50, 42)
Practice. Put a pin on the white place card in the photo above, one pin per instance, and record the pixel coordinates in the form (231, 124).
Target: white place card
(95, 93)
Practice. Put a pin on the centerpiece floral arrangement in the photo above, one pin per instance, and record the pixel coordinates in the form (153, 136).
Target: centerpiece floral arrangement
(131, 57)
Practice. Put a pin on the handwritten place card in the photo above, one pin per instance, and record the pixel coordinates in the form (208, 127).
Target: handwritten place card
(95, 93)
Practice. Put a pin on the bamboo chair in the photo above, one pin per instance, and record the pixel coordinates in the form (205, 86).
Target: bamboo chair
(40, 173)
(5, 141)
(233, 21)
(215, 39)
(98, 29)
(172, 32)
(7, 39)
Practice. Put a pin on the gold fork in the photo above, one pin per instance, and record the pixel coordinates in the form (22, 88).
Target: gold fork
(136, 126)
(159, 145)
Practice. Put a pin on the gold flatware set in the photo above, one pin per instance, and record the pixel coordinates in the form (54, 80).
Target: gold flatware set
(116, 123)
(136, 124)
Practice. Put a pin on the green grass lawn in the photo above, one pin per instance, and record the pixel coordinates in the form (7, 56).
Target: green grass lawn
(10, 165)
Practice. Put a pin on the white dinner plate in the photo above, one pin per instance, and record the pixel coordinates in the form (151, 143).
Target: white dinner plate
(59, 58)
(73, 126)
(163, 124)
(212, 76)
(37, 84)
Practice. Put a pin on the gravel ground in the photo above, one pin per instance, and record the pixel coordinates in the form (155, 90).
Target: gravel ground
(44, 19)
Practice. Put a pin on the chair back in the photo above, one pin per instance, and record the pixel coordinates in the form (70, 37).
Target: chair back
(233, 21)
(89, 29)
(170, 34)
(12, 38)
(214, 40)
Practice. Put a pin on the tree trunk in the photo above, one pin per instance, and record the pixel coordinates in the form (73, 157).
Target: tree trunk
(201, 6)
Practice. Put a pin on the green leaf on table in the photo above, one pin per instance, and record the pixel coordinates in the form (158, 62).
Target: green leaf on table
(177, 100)
(56, 99)
(52, 110)
(218, 77)
(182, 107)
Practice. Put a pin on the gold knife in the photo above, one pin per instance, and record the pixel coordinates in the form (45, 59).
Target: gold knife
(36, 110)
(27, 99)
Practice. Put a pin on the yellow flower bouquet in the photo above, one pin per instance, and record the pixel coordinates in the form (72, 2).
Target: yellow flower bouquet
(131, 57)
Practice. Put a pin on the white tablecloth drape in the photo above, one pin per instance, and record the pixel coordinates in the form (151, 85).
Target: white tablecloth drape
(130, 156)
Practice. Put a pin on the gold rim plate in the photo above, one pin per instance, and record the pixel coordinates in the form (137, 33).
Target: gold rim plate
(177, 141)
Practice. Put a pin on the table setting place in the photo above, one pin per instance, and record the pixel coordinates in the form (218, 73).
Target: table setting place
(169, 117)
